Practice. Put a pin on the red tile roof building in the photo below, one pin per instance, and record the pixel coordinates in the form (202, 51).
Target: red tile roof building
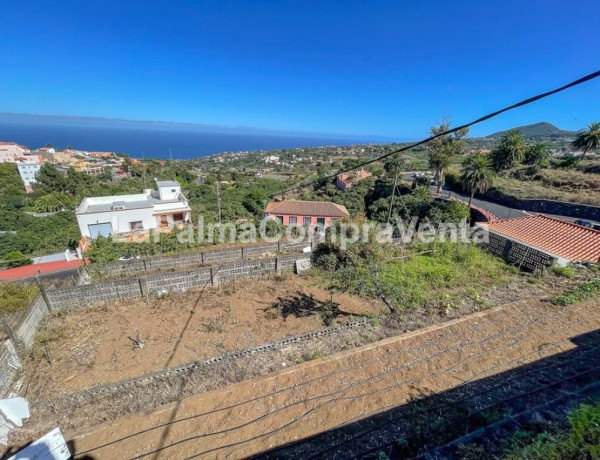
(305, 213)
(557, 237)
(345, 181)
(29, 271)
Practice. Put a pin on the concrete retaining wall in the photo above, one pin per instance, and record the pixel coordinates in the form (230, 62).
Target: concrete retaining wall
(519, 254)
(179, 261)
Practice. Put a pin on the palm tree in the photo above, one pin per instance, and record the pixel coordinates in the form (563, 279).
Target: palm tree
(52, 202)
(443, 149)
(511, 150)
(477, 175)
(393, 165)
(588, 139)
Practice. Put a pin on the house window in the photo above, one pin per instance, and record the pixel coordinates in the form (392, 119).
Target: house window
(306, 221)
(178, 217)
(137, 225)
(293, 220)
(279, 219)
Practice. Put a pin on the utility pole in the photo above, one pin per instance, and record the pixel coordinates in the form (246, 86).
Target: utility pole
(219, 200)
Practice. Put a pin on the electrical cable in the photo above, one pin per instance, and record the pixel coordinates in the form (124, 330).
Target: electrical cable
(522, 103)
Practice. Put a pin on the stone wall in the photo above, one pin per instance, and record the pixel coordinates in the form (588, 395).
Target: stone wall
(177, 261)
(559, 208)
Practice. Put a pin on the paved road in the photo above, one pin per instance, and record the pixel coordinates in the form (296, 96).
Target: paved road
(500, 211)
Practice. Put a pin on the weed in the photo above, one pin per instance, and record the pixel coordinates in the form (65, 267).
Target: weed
(579, 293)
(215, 324)
(15, 297)
(374, 320)
(295, 358)
(580, 440)
(315, 355)
(565, 272)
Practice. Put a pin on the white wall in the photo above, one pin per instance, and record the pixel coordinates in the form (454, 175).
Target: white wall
(119, 220)
(169, 193)
(27, 171)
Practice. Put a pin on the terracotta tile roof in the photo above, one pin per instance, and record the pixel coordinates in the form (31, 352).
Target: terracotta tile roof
(557, 237)
(29, 271)
(307, 208)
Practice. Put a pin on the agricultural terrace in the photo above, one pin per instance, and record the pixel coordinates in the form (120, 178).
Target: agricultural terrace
(82, 347)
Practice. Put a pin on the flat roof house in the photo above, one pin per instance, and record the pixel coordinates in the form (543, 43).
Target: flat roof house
(128, 215)
(566, 241)
(28, 168)
(305, 213)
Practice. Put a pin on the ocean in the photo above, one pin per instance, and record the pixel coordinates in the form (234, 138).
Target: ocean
(153, 140)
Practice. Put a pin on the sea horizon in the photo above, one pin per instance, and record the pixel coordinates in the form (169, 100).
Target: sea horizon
(159, 140)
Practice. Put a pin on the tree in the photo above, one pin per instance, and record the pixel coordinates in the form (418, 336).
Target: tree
(444, 149)
(50, 179)
(394, 165)
(588, 139)
(537, 154)
(16, 259)
(476, 175)
(52, 202)
(509, 152)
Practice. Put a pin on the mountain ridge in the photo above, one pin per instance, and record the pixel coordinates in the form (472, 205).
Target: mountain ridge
(536, 130)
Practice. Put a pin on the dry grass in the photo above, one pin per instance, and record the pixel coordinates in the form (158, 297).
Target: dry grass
(555, 184)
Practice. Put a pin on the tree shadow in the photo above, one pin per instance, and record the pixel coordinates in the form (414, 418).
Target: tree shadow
(302, 305)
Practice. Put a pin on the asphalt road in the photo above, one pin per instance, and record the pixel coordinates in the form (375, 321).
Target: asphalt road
(500, 211)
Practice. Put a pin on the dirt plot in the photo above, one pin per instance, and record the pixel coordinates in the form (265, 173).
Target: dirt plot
(260, 414)
(83, 347)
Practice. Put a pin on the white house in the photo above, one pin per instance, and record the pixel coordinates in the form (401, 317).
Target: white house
(165, 208)
(28, 167)
(10, 150)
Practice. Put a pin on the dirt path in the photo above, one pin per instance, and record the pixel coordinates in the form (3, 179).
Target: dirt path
(257, 415)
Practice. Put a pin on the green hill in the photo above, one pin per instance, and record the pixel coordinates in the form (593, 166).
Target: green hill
(538, 130)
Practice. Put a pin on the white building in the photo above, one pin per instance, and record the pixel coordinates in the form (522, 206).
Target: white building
(10, 150)
(28, 168)
(165, 208)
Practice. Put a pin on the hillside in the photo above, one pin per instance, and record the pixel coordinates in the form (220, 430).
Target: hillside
(537, 130)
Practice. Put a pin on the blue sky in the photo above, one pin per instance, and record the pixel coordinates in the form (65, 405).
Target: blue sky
(391, 68)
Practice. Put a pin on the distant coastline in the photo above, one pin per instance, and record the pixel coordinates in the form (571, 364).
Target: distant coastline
(149, 139)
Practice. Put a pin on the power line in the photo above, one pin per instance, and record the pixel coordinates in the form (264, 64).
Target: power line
(334, 393)
(522, 103)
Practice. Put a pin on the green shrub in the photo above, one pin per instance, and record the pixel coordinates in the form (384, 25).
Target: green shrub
(580, 440)
(14, 297)
(579, 293)
(565, 272)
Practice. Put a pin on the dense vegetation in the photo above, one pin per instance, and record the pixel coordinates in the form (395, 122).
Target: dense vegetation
(411, 276)
(580, 440)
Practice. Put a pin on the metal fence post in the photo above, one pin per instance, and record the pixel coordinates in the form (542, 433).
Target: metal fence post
(43, 293)
(144, 286)
(9, 331)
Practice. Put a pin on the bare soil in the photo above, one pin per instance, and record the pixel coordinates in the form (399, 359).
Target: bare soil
(257, 415)
(91, 346)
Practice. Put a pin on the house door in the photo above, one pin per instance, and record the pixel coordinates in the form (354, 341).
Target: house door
(321, 222)
(104, 229)
(164, 221)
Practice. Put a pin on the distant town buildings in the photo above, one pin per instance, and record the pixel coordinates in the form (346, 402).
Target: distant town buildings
(9, 151)
(348, 180)
(28, 167)
(126, 215)
(305, 213)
